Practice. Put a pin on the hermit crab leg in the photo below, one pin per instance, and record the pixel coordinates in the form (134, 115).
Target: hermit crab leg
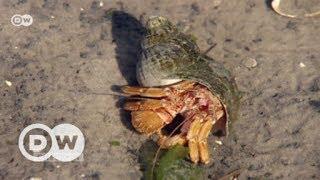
(203, 140)
(156, 92)
(144, 91)
(192, 137)
(149, 104)
(166, 141)
(184, 85)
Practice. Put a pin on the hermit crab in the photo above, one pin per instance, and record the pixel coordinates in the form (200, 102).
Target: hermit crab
(177, 79)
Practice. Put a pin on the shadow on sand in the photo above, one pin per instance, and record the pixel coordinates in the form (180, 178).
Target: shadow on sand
(127, 33)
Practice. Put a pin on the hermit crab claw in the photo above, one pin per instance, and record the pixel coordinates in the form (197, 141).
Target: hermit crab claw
(148, 115)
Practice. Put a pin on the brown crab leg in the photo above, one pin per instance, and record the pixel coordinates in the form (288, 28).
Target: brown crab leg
(149, 104)
(192, 137)
(144, 91)
(203, 140)
(166, 141)
(156, 92)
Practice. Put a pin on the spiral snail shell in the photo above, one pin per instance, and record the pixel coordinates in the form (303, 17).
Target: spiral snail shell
(170, 56)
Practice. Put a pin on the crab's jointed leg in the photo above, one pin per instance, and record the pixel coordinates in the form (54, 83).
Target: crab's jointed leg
(192, 137)
(166, 141)
(203, 140)
(144, 91)
(155, 92)
(148, 104)
(184, 85)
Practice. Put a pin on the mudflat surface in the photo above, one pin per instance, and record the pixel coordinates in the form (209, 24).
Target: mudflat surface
(65, 64)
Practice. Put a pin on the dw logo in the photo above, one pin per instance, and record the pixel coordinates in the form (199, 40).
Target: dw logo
(24, 20)
(66, 142)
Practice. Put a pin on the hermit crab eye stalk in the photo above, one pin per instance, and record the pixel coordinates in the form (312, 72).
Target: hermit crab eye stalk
(158, 25)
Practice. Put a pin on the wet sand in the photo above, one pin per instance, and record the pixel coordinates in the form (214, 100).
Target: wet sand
(64, 67)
